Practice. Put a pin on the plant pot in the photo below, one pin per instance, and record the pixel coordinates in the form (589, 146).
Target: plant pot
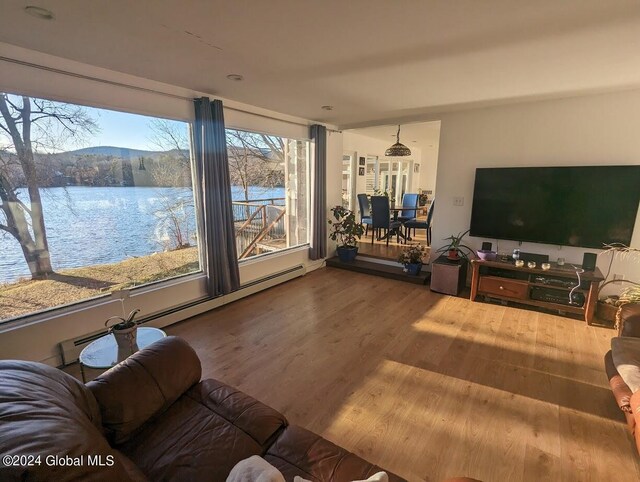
(126, 339)
(413, 268)
(453, 255)
(347, 254)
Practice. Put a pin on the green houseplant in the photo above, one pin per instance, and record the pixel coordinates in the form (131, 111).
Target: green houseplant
(125, 331)
(346, 231)
(411, 258)
(455, 249)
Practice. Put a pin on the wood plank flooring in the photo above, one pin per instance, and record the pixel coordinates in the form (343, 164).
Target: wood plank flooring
(426, 385)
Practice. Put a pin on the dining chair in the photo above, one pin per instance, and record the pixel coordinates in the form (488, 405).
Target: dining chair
(381, 218)
(365, 212)
(409, 200)
(417, 224)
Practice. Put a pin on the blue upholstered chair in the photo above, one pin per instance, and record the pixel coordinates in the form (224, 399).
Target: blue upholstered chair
(381, 218)
(409, 201)
(416, 224)
(365, 212)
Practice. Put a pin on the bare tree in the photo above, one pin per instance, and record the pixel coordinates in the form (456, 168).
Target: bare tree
(32, 125)
(173, 170)
(255, 160)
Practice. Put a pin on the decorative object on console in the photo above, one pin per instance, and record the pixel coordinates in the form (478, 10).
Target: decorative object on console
(487, 254)
(560, 262)
(531, 264)
(545, 266)
(398, 149)
(411, 258)
(519, 263)
(346, 231)
(455, 249)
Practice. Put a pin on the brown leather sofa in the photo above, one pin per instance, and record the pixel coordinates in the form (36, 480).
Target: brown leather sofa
(151, 418)
(629, 403)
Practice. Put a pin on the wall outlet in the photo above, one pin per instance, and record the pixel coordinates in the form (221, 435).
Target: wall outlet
(458, 201)
(617, 279)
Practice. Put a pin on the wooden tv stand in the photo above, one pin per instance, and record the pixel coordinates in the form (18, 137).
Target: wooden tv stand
(502, 280)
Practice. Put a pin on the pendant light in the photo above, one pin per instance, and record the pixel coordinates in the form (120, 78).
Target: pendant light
(398, 150)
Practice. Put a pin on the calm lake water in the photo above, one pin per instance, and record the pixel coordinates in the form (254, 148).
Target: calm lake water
(99, 225)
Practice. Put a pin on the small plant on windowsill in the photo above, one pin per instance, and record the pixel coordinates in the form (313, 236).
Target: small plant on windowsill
(346, 231)
(411, 258)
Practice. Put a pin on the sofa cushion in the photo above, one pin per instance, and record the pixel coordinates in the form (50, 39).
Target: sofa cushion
(196, 439)
(46, 412)
(303, 453)
(260, 422)
(144, 385)
(625, 352)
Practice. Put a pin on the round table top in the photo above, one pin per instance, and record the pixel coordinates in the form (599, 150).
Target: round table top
(104, 353)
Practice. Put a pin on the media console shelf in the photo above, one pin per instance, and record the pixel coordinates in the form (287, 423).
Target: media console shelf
(536, 287)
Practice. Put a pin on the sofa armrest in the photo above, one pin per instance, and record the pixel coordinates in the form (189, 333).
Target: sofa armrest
(259, 421)
(635, 412)
(621, 392)
(144, 385)
(629, 320)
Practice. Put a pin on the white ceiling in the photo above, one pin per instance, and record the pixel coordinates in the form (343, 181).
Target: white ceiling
(373, 60)
(424, 135)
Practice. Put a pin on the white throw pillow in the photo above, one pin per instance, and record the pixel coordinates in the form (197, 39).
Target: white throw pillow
(377, 477)
(254, 469)
(625, 351)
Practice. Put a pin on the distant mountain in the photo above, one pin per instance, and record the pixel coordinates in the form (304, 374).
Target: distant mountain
(122, 152)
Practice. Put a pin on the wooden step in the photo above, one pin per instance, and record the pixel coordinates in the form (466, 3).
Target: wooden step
(378, 269)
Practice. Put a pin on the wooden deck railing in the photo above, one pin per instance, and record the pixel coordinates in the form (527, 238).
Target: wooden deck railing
(259, 225)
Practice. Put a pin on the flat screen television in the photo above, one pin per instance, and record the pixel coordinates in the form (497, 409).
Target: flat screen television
(571, 206)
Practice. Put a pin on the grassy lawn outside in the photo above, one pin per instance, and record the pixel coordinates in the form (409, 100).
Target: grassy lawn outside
(72, 285)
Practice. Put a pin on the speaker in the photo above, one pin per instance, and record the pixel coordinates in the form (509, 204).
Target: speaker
(486, 246)
(589, 261)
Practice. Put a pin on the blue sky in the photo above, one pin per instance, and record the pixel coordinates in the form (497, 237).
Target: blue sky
(116, 129)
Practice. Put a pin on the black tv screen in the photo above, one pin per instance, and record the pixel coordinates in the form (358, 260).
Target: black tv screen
(570, 206)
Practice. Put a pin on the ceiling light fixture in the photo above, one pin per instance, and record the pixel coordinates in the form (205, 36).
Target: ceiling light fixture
(235, 77)
(39, 12)
(327, 107)
(398, 149)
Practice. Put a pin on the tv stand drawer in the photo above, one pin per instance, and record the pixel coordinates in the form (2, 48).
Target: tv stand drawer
(504, 287)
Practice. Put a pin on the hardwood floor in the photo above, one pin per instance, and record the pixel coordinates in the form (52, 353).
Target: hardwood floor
(426, 385)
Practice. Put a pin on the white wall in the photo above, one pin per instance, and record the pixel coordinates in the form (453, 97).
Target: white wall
(591, 130)
(38, 339)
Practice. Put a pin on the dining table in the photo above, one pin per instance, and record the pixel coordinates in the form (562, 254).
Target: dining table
(397, 231)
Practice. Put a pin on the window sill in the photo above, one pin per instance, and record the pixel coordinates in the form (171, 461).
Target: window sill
(275, 254)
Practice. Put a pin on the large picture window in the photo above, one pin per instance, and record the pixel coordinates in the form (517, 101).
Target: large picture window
(269, 182)
(92, 201)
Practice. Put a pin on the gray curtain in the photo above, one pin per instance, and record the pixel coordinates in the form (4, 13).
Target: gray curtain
(212, 171)
(318, 249)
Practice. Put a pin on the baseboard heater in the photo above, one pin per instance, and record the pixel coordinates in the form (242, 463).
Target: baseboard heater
(70, 349)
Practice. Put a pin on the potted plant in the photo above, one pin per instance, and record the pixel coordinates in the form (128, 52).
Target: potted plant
(125, 331)
(411, 258)
(346, 231)
(608, 308)
(455, 249)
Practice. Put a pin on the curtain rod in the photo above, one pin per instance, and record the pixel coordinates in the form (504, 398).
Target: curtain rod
(142, 89)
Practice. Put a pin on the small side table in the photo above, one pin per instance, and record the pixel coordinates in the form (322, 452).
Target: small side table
(103, 353)
(448, 276)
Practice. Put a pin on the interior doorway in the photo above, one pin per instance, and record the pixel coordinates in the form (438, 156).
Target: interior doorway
(371, 172)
